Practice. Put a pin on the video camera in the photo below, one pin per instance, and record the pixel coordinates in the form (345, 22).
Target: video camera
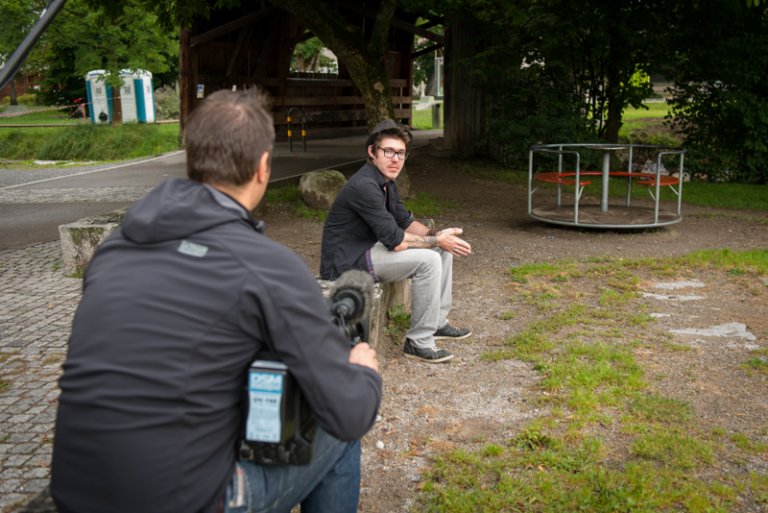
(349, 304)
(279, 425)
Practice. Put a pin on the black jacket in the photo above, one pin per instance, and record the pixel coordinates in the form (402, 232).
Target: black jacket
(367, 210)
(176, 304)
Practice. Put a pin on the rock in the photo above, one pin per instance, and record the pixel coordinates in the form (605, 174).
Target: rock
(318, 189)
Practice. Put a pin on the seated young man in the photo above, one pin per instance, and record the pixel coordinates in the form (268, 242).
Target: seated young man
(369, 228)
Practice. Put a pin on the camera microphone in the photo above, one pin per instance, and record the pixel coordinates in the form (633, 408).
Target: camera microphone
(351, 295)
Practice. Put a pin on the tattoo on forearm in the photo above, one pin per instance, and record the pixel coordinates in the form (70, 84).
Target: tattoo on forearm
(423, 242)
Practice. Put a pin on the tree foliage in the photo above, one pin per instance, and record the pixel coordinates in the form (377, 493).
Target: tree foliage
(717, 58)
(85, 38)
(309, 56)
(361, 48)
(16, 19)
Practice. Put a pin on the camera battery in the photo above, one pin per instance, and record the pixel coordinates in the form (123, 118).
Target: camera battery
(279, 427)
(267, 408)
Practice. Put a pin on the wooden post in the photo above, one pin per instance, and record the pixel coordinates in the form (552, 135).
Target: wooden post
(185, 77)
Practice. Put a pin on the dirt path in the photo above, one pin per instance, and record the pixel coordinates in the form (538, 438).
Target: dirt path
(432, 408)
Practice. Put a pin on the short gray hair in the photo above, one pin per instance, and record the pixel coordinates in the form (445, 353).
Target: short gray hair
(226, 135)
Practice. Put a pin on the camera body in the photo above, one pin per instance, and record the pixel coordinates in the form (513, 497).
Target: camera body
(279, 427)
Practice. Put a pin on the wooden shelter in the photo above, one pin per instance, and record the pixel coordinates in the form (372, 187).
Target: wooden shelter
(252, 46)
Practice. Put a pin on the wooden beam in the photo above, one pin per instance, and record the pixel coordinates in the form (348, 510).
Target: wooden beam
(244, 21)
(424, 51)
(245, 35)
(398, 24)
(185, 77)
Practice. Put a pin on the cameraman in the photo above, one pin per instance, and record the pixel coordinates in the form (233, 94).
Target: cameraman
(176, 304)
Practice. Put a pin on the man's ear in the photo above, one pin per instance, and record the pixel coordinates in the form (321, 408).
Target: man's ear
(264, 169)
(370, 152)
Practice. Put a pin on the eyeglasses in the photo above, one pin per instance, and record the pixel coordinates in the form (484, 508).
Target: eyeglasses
(391, 152)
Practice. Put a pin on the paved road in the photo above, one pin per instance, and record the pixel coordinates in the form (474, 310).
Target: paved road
(33, 203)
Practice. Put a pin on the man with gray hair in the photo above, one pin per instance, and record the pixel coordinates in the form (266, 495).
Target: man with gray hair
(176, 304)
(369, 228)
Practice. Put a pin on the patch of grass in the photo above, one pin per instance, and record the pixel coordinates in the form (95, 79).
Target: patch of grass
(673, 449)
(758, 484)
(650, 110)
(744, 443)
(560, 271)
(306, 212)
(488, 170)
(660, 409)
(43, 118)
(584, 347)
(758, 362)
(426, 205)
(726, 195)
(755, 260)
(288, 194)
(422, 119)
(507, 316)
(399, 322)
(4, 385)
(89, 142)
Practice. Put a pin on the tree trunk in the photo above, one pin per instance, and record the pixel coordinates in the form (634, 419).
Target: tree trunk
(365, 60)
(613, 74)
(14, 97)
(117, 108)
(373, 84)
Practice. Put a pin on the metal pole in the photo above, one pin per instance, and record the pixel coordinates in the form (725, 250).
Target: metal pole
(606, 174)
(14, 62)
(530, 181)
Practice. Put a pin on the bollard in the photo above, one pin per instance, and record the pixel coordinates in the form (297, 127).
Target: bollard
(302, 132)
(436, 115)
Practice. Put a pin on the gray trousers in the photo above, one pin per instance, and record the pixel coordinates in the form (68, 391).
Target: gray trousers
(431, 272)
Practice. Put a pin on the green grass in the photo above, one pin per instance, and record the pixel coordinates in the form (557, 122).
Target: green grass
(89, 142)
(608, 442)
(399, 322)
(288, 195)
(42, 118)
(426, 205)
(655, 110)
(706, 194)
(422, 119)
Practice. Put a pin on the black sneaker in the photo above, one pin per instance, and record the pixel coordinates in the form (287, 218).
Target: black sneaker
(425, 354)
(453, 332)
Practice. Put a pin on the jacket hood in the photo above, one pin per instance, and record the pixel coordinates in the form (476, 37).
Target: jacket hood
(175, 209)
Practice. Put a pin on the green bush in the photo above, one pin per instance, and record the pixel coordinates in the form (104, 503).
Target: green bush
(22, 99)
(167, 103)
(89, 142)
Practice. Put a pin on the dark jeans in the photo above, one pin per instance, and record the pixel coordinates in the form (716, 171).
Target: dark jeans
(330, 483)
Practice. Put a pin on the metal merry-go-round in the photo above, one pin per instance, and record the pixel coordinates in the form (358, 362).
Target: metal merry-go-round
(556, 184)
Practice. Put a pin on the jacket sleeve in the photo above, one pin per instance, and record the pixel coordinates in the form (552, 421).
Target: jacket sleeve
(285, 301)
(403, 216)
(368, 201)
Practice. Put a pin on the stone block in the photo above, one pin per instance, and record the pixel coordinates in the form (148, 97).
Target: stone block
(80, 239)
